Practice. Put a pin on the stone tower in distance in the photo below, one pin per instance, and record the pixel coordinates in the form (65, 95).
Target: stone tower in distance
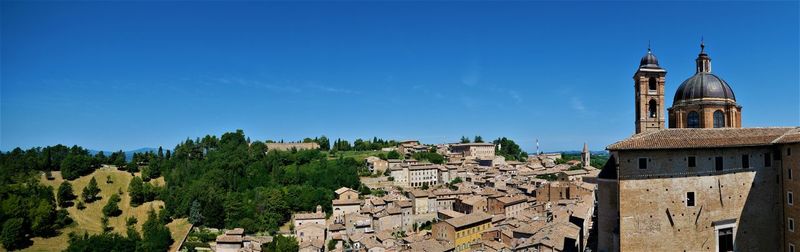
(649, 86)
(586, 159)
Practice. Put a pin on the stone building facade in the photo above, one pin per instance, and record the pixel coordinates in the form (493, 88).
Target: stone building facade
(461, 232)
(790, 165)
(473, 150)
(290, 146)
(705, 185)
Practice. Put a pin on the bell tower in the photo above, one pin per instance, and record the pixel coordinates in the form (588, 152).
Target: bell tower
(649, 86)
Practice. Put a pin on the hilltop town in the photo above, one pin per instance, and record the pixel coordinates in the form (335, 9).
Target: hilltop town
(475, 201)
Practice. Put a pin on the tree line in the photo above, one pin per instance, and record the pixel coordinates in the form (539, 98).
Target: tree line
(228, 182)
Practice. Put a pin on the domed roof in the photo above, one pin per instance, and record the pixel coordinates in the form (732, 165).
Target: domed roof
(703, 85)
(649, 60)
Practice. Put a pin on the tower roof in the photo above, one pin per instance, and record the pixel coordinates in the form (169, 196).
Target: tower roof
(649, 60)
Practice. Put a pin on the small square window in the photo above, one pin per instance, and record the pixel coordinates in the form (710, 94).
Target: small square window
(692, 162)
(690, 199)
(642, 163)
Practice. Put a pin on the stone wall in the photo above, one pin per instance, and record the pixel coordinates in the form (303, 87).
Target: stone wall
(653, 210)
(607, 215)
(791, 184)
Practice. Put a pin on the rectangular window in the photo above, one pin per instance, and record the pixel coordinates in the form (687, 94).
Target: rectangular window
(767, 160)
(789, 173)
(790, 198)
(791, 225)
(788, 151)
(718, 163)
(745, 161)
(692, 162)
(690, 199)
(791, 248)
(642, 163)
(725, 239)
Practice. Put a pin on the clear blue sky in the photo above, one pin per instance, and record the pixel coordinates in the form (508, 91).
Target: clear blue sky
(124, 75)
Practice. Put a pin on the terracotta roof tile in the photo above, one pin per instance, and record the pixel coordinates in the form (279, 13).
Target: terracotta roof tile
(469, 219)
(702, 138)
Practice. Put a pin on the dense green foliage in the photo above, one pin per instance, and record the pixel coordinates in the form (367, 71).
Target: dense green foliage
(156, 237)
(72, 162)
(393, 155)
(142, 192)
(281, 243)
(362, 145)
(100, 243)
(90, 191)
(596, 161)
(65, 194)
(27, 208)
(237, 184)
(13, 234)
(430, 156)
(111, 209)
(374, 144)
(509, 149)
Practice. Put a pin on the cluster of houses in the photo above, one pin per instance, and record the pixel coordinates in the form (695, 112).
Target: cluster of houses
(494, 205)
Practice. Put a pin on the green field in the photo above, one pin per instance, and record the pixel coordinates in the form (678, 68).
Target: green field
(88, 219)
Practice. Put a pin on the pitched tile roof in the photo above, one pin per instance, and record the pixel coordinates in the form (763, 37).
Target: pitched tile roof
(792, 136)
(702, 138)
(469, 219)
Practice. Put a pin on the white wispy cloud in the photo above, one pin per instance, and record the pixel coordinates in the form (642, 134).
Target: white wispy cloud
(577, 104)
(332, 89)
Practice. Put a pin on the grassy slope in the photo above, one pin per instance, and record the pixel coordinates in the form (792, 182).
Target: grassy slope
(88, 220)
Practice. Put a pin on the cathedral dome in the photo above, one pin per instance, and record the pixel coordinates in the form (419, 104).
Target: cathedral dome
(703, 85)
(649, 60)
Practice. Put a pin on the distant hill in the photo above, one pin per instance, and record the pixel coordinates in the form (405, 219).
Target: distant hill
(128, 154)
(600, 153)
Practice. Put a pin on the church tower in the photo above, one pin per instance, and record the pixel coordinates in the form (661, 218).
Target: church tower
(586, 159)
(649, 86)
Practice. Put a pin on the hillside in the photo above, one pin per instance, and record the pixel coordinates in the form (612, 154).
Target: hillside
(88, 219)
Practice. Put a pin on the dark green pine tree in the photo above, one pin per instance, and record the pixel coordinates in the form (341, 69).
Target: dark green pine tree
(90, 191)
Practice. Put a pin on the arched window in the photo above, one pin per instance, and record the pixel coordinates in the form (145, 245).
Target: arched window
(653, 83)
(719, 119)
(693, 120)
(652, 109)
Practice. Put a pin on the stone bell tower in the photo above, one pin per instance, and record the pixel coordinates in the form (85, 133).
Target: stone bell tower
(649, 86)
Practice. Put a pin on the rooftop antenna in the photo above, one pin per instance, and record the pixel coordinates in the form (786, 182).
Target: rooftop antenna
(648, 46)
